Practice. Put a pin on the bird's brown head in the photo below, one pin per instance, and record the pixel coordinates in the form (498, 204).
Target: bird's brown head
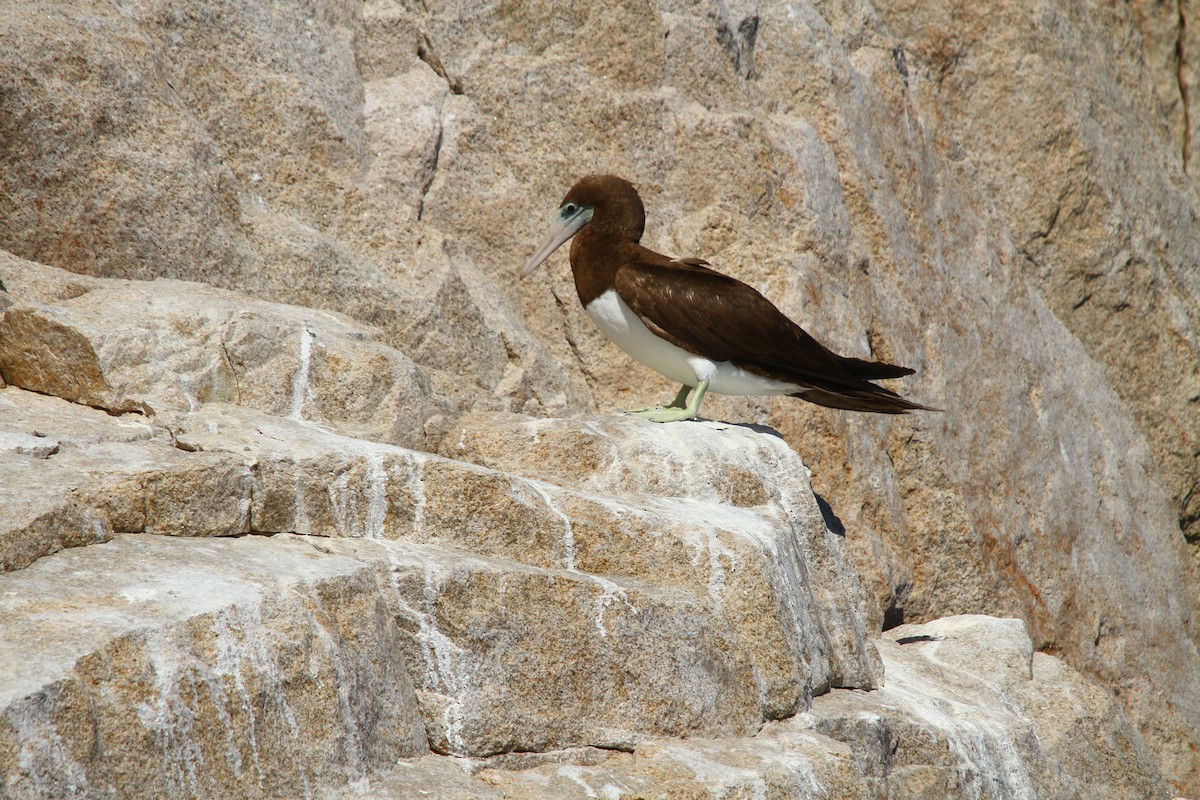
(604, 203)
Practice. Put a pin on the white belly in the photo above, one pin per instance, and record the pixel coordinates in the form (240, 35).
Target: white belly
(619, 323)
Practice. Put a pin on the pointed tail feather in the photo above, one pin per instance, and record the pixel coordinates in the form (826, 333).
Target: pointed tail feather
(873, 370)
(881, 401)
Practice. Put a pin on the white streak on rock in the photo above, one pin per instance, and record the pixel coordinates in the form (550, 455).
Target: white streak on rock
(301, 522)
(358, 498)
(167, 716)
(416, 487)
(300, 386)
(575, 774)
(352, 738)
(718, 777)
(44, 756)
(610, 594)
(446, 667)
(376, 491)
(229, 663)
(568, 530)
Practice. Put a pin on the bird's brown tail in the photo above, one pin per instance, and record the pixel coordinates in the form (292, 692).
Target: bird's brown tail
(873, 370)
(880, 401)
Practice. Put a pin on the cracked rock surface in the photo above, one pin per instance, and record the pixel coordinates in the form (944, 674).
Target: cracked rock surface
(302, 495)
(217, 599)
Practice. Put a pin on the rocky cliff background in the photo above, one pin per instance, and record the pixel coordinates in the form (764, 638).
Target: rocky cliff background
(303, 495)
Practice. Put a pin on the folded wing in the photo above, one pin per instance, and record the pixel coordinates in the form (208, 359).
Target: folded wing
(705, 312)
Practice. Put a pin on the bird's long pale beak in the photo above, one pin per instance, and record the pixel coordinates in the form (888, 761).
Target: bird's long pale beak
(566, 224)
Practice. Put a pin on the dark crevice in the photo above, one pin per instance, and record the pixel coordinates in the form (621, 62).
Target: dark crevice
(588, 375)
(1189, 520)
(901, 62)
(425, 186)
(237, 385)
(120, 412)
(893, 617)
(426, 53)
(240, 535)
(586, 755)
(1050, 227)
(1181, 81)
(607, 748)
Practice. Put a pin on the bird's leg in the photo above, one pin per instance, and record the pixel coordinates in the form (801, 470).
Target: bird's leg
(680, 400)
(673, 413)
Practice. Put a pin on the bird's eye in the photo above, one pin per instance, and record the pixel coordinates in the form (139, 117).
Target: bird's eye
(569, 210)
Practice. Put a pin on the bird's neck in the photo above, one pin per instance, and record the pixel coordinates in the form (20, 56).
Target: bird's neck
(596, 255)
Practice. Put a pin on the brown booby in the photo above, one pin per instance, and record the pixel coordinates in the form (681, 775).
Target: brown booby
(695, 326)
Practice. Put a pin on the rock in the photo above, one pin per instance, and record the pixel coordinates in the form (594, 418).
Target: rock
(750, 569)
(578, 660)
(965, 714)
(157, 667)
(217, 128)
(41, 517)
(716, 472)
(871, 216)
(939, 676)
(1113, 254)
(1168, 44)
(179, 345)
(707, 619)
(105, 148)
(909, 183)
(217, 611)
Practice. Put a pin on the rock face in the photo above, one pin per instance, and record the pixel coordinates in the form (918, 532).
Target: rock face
(642, 582)
(150, 667)
(296, 481)
(970, 711)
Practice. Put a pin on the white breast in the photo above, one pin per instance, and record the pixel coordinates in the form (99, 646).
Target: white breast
(618, 322)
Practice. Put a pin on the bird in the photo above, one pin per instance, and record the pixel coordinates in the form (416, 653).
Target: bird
(692, 324)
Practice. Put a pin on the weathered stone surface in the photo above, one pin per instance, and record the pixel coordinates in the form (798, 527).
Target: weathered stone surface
(152, 667)
(1170, 46)
(1102, 217)
(576, 660)
(98, 141)
(766, 575)
(995, 202)
(869, 215)
(229, 143)
(1092, 188)
(41, 514)
(97, 474)
(965, 714)
(155, 346)
(630, 615)
(723, 472)
(971, 710)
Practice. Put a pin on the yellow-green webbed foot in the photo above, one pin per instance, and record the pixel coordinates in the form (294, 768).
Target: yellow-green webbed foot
(679, 409)
(680, 401)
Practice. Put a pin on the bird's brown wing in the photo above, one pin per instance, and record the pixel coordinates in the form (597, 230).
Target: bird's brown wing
(705, 312)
